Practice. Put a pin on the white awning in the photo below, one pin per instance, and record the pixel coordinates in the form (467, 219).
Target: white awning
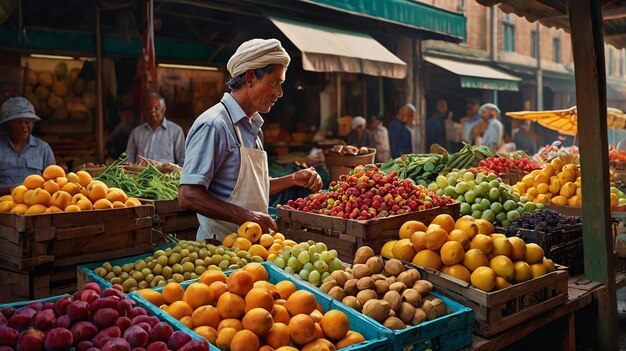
(326, 49)
(477, 76)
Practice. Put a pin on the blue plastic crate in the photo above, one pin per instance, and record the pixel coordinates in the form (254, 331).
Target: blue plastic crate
(161, 315)
(87, 270)
(453, 331)
(377, 337)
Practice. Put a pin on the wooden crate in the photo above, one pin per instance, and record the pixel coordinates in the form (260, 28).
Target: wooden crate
(346, 235)
(36, 284)
(66, 239)
(170, 218)
(495, 312)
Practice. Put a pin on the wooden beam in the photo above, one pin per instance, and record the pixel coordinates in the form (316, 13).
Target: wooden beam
(588, 48)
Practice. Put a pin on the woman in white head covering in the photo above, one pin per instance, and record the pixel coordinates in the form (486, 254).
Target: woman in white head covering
(225, 178)
(360, 136)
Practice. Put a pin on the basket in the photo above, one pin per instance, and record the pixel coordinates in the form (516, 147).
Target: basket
(339, 164)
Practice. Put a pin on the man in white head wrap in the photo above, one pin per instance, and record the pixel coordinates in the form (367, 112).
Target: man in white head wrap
(359, 136)
(225, 178)
(494, 133)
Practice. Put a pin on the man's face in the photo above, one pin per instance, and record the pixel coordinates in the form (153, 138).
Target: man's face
(266, 91)
(155, 110)
(486, 114)
(406, 115)
(20, 128)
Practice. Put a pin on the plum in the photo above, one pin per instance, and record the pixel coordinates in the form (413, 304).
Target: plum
(113, 292)
(195, 345)
(124, 307)
(92, 286)
(161, 332)
(137, 311)
(157, 346)
(3, 320)
(123, 323)
(83, 330)
(44, 320)
(136, 336)
(78, 310)
(105, 302)
(89, 296)
(31, 340)
(116, 344)
(8, 336)
(35, 305)
(59, 339)
(105, 334)
(7, 312)
(60, 305)
(64, 321)
(47, 305)
(22, 318)
(105, 317)
(142, 318)
(83, 345)
(145, 326)
(178, 340)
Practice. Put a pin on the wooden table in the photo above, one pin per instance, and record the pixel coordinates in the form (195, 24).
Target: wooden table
(580, 294)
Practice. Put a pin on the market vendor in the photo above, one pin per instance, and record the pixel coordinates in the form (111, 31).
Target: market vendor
(494, 133)
(225, 177)
(158, 139)
(21, 154)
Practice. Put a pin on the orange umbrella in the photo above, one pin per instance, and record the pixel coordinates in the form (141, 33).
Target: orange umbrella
(566, 121)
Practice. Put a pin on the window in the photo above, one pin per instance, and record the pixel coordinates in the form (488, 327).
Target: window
(611, 68)
(556, 50)
(508, 34)
(534, 41)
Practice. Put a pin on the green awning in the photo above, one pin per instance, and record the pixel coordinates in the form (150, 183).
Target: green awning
(68, 41)
(477, 76)
(407, 13)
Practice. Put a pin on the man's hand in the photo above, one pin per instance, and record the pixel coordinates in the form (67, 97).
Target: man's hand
(308, 178)
(264, 220)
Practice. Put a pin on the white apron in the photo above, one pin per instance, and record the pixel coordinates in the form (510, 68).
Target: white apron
(252, 190)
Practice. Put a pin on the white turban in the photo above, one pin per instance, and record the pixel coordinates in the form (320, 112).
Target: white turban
(358, 121)
(257, 53)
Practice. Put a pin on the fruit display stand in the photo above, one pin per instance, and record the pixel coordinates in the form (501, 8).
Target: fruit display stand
(346, 235)
(564, 247)
(496, 312)
(40, 253)
(377, 337)
(170, 218)
(567, 210)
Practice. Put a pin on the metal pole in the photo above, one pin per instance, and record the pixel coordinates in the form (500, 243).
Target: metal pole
(99, 91)
(539, 73)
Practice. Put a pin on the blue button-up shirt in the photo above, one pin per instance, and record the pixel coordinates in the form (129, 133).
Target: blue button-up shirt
(213, 159)
(165, 144)
(14, 167)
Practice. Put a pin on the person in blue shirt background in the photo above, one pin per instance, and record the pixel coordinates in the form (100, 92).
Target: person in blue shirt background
(399, 134)
(21, 154)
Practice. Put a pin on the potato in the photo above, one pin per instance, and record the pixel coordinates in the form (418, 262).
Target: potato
(377, 309)
(394, 323)
(397, 286)
(394, 267)
(337, 293)
(375, 264)
(423, 287)
(406, 312)
(412, 296)
(394, 299)
(365, 283)
(361, 270)
(366, 295)
(353, 302)
(350, 287)
(363, 254)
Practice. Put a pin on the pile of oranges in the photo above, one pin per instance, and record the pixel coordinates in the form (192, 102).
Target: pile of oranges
(245, 312)
(468, 249)
(55, 191)
(249, 238)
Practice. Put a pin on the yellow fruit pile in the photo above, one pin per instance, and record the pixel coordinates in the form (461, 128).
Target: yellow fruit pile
(54, 191)
(249, 238)
(557, 183)
(468, 249)
(244, 312)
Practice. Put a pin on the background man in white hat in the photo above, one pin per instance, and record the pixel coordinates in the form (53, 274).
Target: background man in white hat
(21, 154)
(225, 178)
